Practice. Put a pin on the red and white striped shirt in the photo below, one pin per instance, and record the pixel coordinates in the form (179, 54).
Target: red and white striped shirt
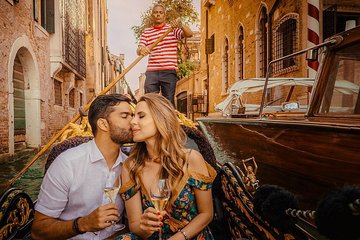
(164, 55)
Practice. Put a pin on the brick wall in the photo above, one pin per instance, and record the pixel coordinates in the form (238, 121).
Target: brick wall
(16, 21)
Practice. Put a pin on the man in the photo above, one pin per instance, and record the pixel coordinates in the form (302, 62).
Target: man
(71, 199)
(162, 64)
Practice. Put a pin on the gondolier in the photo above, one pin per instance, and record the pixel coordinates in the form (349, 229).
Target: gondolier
(162, 65)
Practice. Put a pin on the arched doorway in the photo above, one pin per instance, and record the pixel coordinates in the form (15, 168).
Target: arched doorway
(19, 105)
(24, 97)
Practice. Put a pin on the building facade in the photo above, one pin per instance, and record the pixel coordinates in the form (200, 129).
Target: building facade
(140, 91)
(239, 39)
(189, 90)
(54, 55)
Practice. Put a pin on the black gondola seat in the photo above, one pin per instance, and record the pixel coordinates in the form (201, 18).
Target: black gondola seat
(65, 145)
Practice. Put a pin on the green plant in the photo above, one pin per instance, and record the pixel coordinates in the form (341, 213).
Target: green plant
(185, 69)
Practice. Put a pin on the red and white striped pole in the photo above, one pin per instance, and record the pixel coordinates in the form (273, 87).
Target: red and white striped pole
(313, 33)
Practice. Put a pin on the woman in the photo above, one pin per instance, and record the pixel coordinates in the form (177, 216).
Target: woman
(160, 153)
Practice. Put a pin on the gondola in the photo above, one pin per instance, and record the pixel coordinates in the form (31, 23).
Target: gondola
(291, 153)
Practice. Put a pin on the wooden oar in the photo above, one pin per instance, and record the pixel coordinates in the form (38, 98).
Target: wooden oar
(105, 90)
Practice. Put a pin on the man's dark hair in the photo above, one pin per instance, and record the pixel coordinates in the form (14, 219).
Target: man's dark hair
(102, 106)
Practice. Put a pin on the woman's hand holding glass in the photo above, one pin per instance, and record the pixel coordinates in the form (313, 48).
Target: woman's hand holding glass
(151, 220)
(160, 194)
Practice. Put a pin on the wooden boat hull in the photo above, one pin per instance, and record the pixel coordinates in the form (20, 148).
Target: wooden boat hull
(306, 159)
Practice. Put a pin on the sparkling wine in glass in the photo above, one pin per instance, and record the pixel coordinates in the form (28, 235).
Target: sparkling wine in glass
(160, 193)
(111, 193)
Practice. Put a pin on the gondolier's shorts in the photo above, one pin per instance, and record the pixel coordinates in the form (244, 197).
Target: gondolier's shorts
(161, 80)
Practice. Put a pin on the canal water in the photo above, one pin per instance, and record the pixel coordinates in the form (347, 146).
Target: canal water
(31, 180)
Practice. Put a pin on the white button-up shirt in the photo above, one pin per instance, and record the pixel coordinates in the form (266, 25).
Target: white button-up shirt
(73, 185)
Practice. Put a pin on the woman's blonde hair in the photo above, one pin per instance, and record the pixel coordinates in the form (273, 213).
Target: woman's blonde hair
(170, 141)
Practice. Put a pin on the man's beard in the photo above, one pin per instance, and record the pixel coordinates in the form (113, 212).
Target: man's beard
(120, 135)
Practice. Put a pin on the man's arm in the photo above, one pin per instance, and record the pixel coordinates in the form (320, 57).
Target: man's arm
(142, 47)
(186, 30)
(45, 227)
(52, 200)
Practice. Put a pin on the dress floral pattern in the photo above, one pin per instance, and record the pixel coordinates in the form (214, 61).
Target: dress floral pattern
(182, 208)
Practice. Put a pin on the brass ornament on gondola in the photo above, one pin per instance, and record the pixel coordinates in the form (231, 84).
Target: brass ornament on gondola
(16, 210)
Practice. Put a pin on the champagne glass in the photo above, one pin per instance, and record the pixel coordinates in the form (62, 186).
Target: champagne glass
(159, 195)
(110, 194)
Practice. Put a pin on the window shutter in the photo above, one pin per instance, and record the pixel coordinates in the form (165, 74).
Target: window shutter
(210, 45)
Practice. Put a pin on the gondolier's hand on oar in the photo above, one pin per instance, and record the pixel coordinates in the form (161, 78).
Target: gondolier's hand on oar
(141, 50)
(176, 23)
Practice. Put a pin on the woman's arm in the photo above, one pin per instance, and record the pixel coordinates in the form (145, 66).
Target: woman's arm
(204, 201)
(142, 224)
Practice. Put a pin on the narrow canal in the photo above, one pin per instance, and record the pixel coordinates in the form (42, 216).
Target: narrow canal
(30, 182)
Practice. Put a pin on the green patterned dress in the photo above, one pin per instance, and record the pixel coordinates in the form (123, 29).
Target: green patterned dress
(182, 208)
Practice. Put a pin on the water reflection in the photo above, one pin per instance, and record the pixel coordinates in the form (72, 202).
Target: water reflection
(222, 156)
(31, 180)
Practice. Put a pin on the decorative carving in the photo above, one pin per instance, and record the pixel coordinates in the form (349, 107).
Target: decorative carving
(17, 210)
(249, 178)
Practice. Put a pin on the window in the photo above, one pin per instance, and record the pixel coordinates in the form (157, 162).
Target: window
(240, 55)
(336, 21)
(72, 98)
(262, 42)
(285, 43)
(225, 67)
(58, 92)
(342, 91)
(44, 14)
(181, 102)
